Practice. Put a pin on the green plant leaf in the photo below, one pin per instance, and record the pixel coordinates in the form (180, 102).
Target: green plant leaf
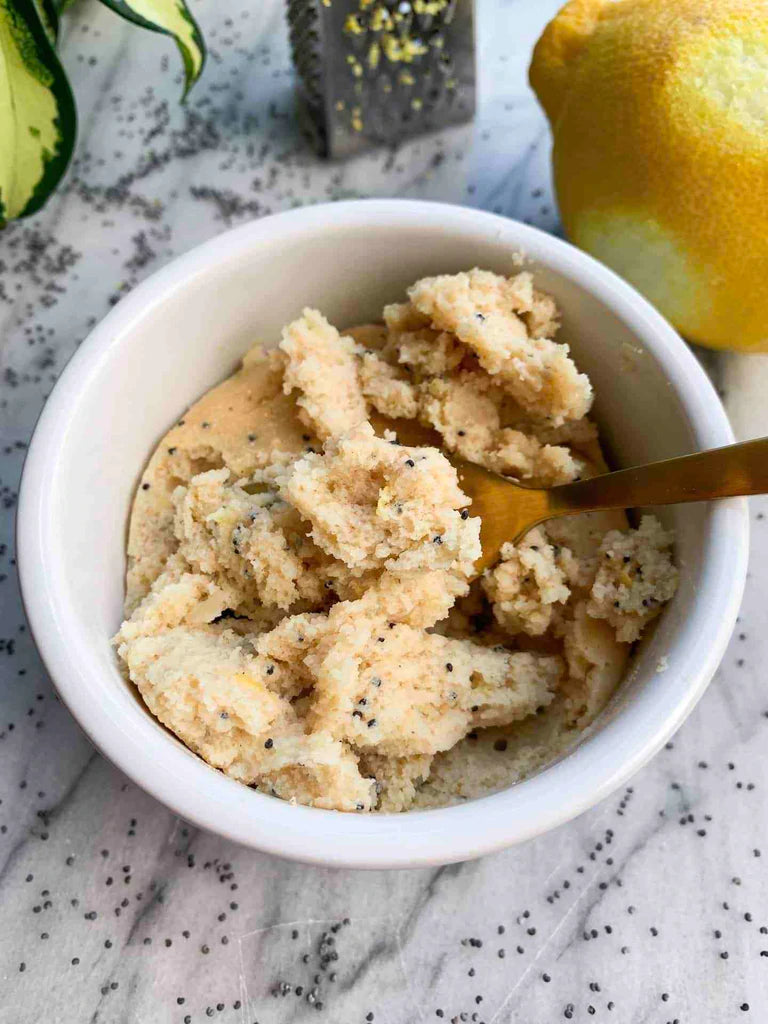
(37, 112)
(172, 18)
(49, 16)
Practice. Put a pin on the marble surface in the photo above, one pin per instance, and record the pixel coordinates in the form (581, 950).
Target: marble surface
(651, 908)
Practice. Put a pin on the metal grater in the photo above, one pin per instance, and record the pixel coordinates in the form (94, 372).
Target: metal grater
(372, 72)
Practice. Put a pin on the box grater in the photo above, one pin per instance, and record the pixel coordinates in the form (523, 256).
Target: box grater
(372, 72)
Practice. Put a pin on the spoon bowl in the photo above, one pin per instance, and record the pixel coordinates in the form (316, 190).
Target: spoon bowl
(509, 509)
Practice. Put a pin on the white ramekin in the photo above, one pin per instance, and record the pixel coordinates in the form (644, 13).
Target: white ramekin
(183, 330)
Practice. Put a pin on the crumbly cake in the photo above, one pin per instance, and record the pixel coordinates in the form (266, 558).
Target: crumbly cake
(299, 603)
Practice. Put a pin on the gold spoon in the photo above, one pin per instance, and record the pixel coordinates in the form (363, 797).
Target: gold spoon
(508, 509)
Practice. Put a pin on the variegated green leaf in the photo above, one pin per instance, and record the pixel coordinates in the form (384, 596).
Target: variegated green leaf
(49, 16)
(37, 112)
(171, 17)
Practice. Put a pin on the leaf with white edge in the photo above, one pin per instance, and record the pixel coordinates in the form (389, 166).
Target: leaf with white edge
(37, 112)
(172, 18)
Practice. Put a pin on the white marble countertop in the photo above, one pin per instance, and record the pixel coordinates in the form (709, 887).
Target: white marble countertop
(651, 908)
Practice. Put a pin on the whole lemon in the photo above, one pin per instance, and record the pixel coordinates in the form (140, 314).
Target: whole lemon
(659, 113)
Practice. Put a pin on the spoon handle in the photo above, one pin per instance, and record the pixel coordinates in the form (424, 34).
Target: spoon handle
(719, 473)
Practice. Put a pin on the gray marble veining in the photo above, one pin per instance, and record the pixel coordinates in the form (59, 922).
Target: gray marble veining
(651, 908)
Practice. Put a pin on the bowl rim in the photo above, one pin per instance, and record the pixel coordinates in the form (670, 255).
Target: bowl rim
(592, 771)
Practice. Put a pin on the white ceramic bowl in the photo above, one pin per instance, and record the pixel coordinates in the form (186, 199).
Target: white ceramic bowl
(183, 330)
